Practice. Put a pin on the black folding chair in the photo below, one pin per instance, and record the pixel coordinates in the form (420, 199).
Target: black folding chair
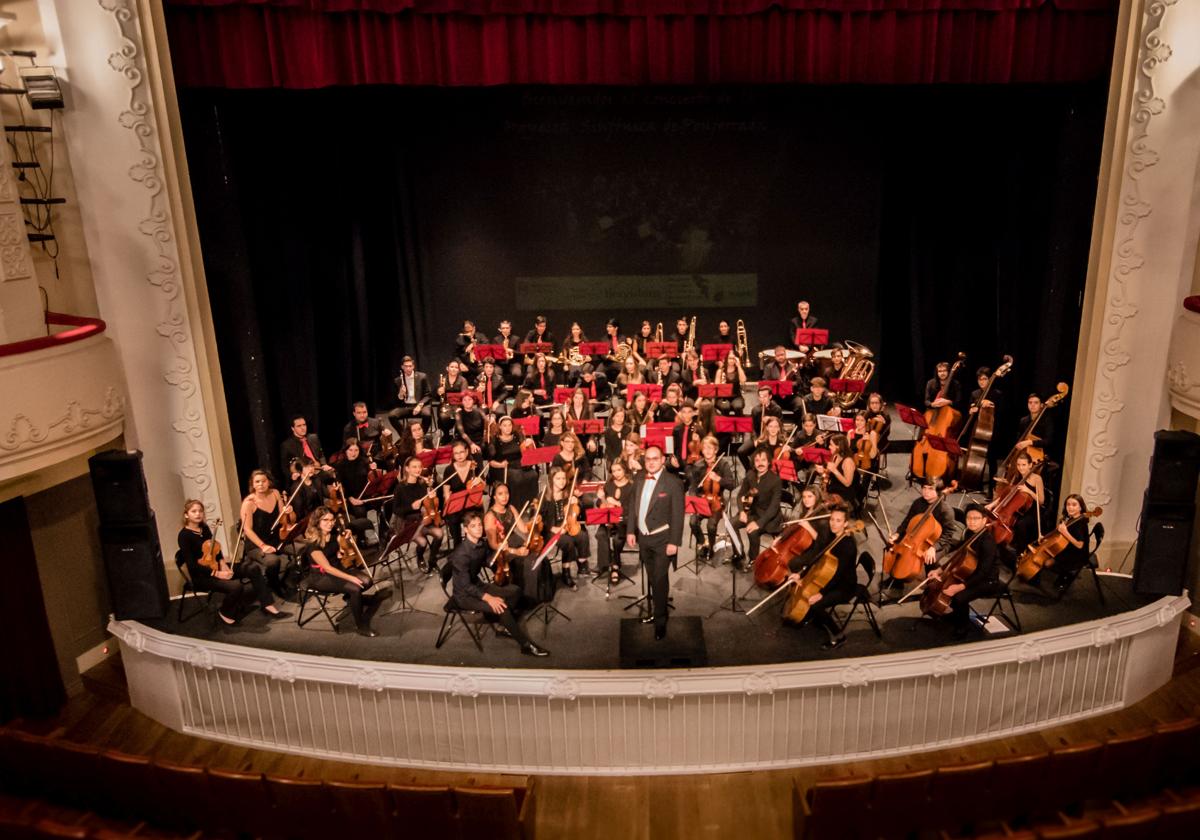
(862, 597)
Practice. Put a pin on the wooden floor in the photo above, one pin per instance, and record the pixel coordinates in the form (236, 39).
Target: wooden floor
(630, 807)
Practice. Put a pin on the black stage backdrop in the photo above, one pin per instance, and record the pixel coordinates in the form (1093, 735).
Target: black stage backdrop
(343, 228)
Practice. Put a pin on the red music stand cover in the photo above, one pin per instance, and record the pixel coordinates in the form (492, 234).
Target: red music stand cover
(603, 515)
(595, 348)
(531, 347)
(714, 391)
(944, 444)
(538, 455)
(812, 338)
(654, 349)
(428, 458)
(715, 352)
(456, 503)
(563, 395)
(490, 351)
(779, 387)
(697, 505)
(530, 425)
(911, 416)
(653, 392)
(586, 427)
(847, 386)
(732, 425)
(785, 468)
(816, 454)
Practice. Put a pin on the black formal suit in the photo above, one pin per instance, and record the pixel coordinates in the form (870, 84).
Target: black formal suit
(293, 448)
(662, 526)
(421, 392)
(369, 431)
(798, 323)
(765, 510)
(463, 567)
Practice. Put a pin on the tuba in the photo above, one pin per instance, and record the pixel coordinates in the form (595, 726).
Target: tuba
(859, 365)
(742, 349)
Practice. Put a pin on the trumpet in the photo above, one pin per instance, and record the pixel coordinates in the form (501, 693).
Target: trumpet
(742, 349)
(658, 332)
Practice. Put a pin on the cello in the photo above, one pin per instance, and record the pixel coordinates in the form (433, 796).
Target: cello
(906, 558)
(975, 454)
(818, 576)
(1008, 470)
(943, 422)
(1014, 502)
(771, 565)
(1042, 553)
(961, 565)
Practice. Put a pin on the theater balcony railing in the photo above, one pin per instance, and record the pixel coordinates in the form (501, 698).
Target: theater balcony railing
(61, 397)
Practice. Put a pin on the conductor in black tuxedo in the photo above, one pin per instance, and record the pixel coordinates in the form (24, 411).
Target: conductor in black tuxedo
(655, 514)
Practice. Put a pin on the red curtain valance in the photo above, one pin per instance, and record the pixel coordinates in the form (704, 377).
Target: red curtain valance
(314, 43)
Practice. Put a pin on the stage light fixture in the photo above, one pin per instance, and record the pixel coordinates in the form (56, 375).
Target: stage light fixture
(41, 87)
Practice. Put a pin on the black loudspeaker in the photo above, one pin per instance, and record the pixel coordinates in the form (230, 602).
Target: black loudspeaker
(120, 487)
(133, 564)
(1174, 468)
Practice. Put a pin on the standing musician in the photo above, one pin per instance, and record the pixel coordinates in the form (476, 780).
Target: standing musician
(655, 514)
(841, 586)
(817, 400)
(459, 475)
(464, 347)
(260, 514)
(302, 443)
(610, 538)
(709, 468)
(540, 380)
(452, 382)
(469, 593)
(413, 393)
(982, 580)
(540, 334)
(369, 431)
(934, 386)
(236, 589)
(804, 320)
(1045, 426)
(408, 504)
(731, 372)
(500, 521)
(513, 370)
(685, 438)
(576, 549)
(993, 400)
(840, 475)
(931, 489)
(470, 424)
(325, 572)
(759, 500)
(491, 387)
(504, 456)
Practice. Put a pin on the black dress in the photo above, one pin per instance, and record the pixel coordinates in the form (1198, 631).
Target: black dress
(236, 589)
(522, 481)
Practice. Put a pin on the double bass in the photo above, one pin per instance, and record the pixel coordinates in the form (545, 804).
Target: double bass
(818, 576)
(906, 559)
(943, 422)
(975, 455)
(1041, 554)
(1008, 470)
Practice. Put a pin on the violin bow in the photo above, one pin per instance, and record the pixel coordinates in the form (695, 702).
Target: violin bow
(784, 588)
(288, 503)
(504, 543)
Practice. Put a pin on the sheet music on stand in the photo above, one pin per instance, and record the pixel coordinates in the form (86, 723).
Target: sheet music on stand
(828, 423)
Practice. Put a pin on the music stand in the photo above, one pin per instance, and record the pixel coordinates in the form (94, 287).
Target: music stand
(697, 506)
(609, 516)
(712, 390)
(911, 416)
(812, 338)
(734, 605)
(545, 607)
(398, 540)
(715, 352)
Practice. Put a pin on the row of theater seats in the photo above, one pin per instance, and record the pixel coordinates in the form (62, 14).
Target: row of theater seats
(185, 798)
(1042, 793)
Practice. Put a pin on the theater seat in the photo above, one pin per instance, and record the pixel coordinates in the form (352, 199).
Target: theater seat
(832, 808)
(368, 804)
(488, 812)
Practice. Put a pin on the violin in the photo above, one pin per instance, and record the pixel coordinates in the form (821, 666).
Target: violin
(431, 511)
(287, 523)
(943, 422)
(864, 453)
(348, 551)
(975, 455)
(906, 558)
(693, 453)
(210, 551)
(710, 489)
(1042, 553)
(961, 565)
(571, 515)
(817, 577)
(333, 499)
(1015, 502)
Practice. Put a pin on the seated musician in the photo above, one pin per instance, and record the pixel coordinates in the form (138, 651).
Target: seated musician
(804, 320)
(645, 334)
(731, 372)
(772, 439)
(260, 513)
(663, 373)
(502, 526)
(760, 497)
(451, 382)
(766, 406)
(540, 380)
(327, 574)
(982, 581)
(780, 367)
(633, 454)
(640, 411)
(610, 538)
(460, 474)
(469, 593)
(412, 490)
(578, 409)
(865, 443)
(523, 405)
(1044, 437)
(572, 458)
(685, 438)
(724, 335)
(693, 375)
(840, 474)
(491, 387)
(301, 443)
(837, 363)
(1027, 525)
(353, 474)
(464, 348)
(615, 430)
(237, 589)
(631, 374)
(931, 489)
(841, 586)
(413, 394)
(1075, 556)
(540, 334)
(413, 440)
(594, 382)
(556, 427)
(668, 409)
(575, 549)
(879, 420)
(817, 400)
(512, 368)
(680, 335)
(575, 337)
(369, 431)
(469, 425)
(710, 467)
(504, 456)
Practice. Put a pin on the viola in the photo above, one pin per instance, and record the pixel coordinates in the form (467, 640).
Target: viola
(961, 565)
(1008, 470)
(710, 488)
(333, 499)
(1011, 505)
(864, 456)
(771, 565)
(906, 559)
(501, 572)
(210, 551)
(975, 455)
(287, 523)
(1042, 553)
(348, 551)
(818, 576)
(942, 421)
(431, 511)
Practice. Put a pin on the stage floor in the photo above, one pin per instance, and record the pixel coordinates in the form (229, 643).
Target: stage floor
(590, 640)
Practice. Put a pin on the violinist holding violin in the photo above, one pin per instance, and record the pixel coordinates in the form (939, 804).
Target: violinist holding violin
(759, 497)
(209, 571)
(556, 511)
(503, 526)
(685, 437)
(260, 513)
(711, 477)
(610, 538)
(414, 499)
(840, 588)
(353, 473)
(978, 583)
(459, 475)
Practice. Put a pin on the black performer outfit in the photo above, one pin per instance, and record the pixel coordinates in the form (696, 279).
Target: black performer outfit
(1071, 559)
(268, 564)
(361, 607)
(454, 520)
(464, 565)
(981, 583)
(409, 396)
(367, 433)
(706, 526)
(765, 509)
(655, 512)
(610, 538)
(841, 587)
(406, 496)
(575, 549)
(237, 589)
(522, 481)
(933, 386)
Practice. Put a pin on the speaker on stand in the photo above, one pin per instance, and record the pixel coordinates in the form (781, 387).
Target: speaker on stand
(133, 564)
(1168, 513)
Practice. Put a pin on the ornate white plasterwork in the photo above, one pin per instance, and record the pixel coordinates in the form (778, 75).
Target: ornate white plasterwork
(26, 432)
(1113, 386)
(156, 238)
